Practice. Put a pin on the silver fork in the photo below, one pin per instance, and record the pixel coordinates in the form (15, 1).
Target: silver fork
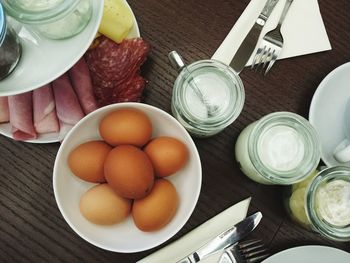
(271, 45)
(250, 251)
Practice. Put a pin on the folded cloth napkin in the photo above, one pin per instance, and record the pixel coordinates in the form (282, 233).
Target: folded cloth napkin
(303, 30)
(200, 235)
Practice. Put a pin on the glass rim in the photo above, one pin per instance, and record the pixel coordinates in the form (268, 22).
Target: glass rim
(230, 114)
(328, 230)
(310, 138)
(38, 17)
(3, 24)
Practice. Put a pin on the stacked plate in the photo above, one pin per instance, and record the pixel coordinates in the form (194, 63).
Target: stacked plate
(43, 60)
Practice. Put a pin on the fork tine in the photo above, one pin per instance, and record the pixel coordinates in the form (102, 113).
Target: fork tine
(262, 60)
(272, 61)
(268, 59)
(249, 242)
(263, 50)
(257, 259)
(257, 57)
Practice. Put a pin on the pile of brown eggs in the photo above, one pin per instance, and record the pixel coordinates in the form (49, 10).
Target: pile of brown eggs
(130, 168)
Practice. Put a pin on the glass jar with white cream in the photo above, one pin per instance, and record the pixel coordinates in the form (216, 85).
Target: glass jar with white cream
(281, 148)
(322, 203)
(55, 19)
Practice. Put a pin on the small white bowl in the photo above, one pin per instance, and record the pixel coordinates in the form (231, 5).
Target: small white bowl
(125, 236)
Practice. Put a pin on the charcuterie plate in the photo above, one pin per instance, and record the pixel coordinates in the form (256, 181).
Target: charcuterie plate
(31, 75)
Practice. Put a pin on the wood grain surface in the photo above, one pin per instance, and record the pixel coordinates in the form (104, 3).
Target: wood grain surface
(32, 228)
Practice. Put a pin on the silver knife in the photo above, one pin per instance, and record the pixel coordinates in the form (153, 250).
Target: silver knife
(225, 239)
(248, 45)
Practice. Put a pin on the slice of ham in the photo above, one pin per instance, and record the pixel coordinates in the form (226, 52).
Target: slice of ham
(21, 116)
(68, 108)
(4, 110)
(81, 81)
(45, 118)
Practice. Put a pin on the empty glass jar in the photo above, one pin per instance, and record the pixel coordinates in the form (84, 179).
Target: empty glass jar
(10, 48)
(55, 19)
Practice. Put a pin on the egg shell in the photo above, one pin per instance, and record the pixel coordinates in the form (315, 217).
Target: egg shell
(167, 154)
(129, 171)
(126, 126)
(86, 161)
(156, 210)
(101, 205)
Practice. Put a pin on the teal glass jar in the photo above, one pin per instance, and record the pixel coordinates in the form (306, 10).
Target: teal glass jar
(282, 148)
(10, 47)
(207, 97)
(321, 203)
(54, 19)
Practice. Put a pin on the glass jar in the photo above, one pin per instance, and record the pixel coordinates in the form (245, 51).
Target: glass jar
(280, 148)
(207, 97)
(55, 19)
(322, 203)
(10, 48)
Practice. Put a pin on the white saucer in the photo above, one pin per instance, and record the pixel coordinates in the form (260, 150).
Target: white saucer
(73, 46)
(310, 254)
(328, 110)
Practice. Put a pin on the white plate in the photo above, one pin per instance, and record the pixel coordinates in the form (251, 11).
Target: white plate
(75, 47)
(310, 254)
(125, 236)
(327, 112)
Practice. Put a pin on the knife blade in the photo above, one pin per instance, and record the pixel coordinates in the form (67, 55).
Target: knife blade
(249, 43)
(225, 239)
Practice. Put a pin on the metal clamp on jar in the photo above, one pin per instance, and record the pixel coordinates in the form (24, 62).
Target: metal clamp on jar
(207, 96)
(55, 19)
(322, 203)
(10, 48)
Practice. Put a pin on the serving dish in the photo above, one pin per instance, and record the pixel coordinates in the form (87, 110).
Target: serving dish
(328, 112)
(74, 51)
(125, 236)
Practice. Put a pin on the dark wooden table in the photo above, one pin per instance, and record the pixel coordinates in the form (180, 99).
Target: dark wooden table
(32, 228)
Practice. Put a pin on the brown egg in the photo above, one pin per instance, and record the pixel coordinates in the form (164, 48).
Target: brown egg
(126, 126)
(156, 210)
(101, 205)
(129, 171)
(167, 154)
(87, 161)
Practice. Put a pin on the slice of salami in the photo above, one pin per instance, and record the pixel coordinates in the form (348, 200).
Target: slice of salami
(115, 69)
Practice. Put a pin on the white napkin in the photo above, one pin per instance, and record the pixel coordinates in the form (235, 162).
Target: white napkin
(200, 235)
(303, 30)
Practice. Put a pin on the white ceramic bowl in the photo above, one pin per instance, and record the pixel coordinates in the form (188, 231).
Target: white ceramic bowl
(125, 236)
(330, 112)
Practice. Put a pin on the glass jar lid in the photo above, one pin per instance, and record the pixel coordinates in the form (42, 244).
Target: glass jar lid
(210, 94)
(328, 203)
(2, 24)
(284, 148)
(38, 11)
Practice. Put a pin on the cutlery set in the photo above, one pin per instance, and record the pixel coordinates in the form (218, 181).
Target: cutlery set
(228, 243)
(271, 44)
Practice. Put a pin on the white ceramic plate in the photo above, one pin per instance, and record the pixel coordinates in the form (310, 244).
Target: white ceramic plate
(125, 236)
(328, 112)
(310, 254)
(66, 50)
